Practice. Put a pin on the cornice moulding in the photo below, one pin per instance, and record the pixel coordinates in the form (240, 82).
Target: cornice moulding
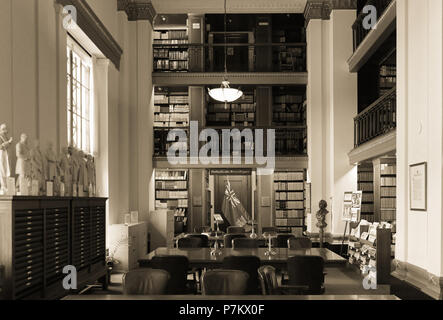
(321, 9)
(92, 26)
(141, 10)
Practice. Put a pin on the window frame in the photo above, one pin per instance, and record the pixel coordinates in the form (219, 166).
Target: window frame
(80, 111)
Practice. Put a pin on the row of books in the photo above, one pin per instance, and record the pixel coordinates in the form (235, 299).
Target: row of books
(161, 99)
(163, 194)
(367, 197)
(285, 116)
(171, 124)
(388, 215)
(167, 65)
(291, 214)
(170, 42)
(289, 222)
(179, 203)
(388, 71)
(388, 81)
(178, 117)
(365, 186)
(367, 207)
(284, 99)
(290, 176)
(221, 107)
(171, 34)
(365, 176)
(183, 99)
(171, 185)
(289, 186)
(294, 107)
(171, 175)
(388, 169)
(243, 117)
(388, 192)
(388, 203)
(171, 54)
(171, 108)
(388, 181)
(282, 205)
(290, 196)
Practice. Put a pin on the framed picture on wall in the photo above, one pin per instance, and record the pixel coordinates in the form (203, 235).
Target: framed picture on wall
(418, 186)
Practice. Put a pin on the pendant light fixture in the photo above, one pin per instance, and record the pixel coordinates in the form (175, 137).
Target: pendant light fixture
(225, 93)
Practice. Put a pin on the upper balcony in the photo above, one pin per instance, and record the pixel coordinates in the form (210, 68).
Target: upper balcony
(368, 41)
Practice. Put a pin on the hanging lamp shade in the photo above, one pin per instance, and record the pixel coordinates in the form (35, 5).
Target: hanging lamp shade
(225, 93)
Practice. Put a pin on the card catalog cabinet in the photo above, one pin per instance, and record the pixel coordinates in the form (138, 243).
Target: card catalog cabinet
(39, 236)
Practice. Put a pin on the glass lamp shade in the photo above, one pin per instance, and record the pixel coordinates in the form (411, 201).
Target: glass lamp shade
(225, 93)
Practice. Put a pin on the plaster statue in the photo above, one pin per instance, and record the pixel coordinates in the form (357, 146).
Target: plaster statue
(75, 164)
(22, 167)
(37, 170)
(321, 218)
(66, 170)
(50, 163)
(83, 170)
(90, 165)
(5, 170)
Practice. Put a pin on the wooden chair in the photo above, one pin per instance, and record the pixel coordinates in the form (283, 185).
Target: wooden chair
(189, 243)
(269, 283)
(177, 266)
(281, 241)
(244, 243)
(307, 271)
(145, 282)
(248, 264)
(234, 229)
(204, 239)
(224, 282)
(227, 239)
(299, 243)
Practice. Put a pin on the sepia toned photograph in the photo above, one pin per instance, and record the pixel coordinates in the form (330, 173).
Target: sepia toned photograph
(221, 158)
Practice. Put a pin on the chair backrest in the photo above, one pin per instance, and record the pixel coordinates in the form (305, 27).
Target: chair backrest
(269, 230)
(244, 243)
(187, 243)
(202, 229)
(145, 282)
(224, 282)
(204, 239)
(234, 229)
(268, 279)
(308, 271)
(248, 264)
(281, 241)
(227, 239)
(299, 243)
(177, 266)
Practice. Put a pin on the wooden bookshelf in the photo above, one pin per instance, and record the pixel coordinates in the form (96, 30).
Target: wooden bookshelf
(289, 197)
(171, 192)
(170, 50)
(365, 182)
(385, 189)
(241, 113)
(289, 108)
(372, 254)
(171, 111)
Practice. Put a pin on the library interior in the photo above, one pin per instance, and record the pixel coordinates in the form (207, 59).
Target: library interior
(192, 149)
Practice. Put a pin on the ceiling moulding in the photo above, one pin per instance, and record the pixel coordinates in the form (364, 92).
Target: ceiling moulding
(137, 10)
(321, 9)
(91, 25)
(233, 6)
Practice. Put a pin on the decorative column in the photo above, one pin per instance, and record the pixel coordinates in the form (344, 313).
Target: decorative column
(332, 105)
(141, 112)
(419, 238)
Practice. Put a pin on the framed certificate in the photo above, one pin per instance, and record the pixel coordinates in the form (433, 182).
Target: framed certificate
(418, 186)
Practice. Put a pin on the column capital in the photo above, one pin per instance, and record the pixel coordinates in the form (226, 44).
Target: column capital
(321, 9)
(141, 10)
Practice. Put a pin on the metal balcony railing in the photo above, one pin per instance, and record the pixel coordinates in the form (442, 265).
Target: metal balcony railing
(377, 119)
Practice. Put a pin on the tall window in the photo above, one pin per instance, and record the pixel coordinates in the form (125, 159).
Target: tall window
(80, 102)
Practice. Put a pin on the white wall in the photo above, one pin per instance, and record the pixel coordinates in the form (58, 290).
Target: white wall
(420, 129)
(33, 91)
